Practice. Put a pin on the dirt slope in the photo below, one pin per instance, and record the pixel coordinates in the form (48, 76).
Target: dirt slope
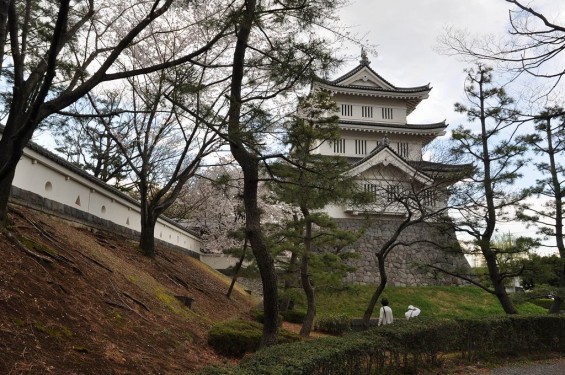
(89, 303)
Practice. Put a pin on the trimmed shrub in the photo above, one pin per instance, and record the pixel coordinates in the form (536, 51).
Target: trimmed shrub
(334, 324)
(236, 337)
(543, 302)
(259, 317)
(407, 346)
(294, 316)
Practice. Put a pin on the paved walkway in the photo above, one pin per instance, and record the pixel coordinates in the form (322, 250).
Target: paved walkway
(552, 367)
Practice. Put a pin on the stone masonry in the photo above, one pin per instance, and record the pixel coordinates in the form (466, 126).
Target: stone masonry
(405, 265)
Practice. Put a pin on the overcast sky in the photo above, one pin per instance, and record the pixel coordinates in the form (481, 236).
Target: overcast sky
(405, 33)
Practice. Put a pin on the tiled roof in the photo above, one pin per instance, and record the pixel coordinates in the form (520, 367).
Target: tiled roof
(425, 167)
(337, 82)
(428, 166)
(437, 125)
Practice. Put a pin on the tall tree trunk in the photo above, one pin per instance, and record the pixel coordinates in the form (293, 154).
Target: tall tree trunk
(305, 279)
(290, 275)
(555, 307)
(11, 150)
(249, 163)
(498, 284)
(264, 260)
(237, 268)
(491, 214)
(383, 278)
(147, 237)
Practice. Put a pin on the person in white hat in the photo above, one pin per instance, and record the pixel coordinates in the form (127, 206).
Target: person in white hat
(412, 312)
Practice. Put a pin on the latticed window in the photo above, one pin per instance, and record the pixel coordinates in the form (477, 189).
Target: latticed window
(392, 192)
(367, 111)
(360, 146)
(347, 110)
(402, 149)
(371, 188)
(429, 198)
(387, 113)
(339, 146)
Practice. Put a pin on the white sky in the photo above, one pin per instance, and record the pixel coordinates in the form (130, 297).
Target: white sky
(405, 33)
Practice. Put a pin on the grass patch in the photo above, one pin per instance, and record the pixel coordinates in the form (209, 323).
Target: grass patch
(53, 331)
(434, 301)
(174, 305)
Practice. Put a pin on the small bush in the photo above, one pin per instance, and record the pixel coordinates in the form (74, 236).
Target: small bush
(237, 337)
(406, 346)
(334, 325)
(294, 316)
(259, 317)
(545, 302)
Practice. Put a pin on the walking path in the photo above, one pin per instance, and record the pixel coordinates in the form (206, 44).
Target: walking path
(552, 367)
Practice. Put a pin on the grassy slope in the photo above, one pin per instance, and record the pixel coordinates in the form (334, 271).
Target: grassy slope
(445, 302)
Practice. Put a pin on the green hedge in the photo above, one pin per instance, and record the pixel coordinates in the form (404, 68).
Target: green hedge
(334, 324)
(236, 337)
(294, 316)
(406, 346)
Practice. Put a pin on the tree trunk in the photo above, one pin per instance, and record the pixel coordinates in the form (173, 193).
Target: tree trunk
(237, 268)
(497, 282)
(555, 307)
(376, 295)
(289, 283)
(249, 163)
(305, 279)
(5, 188)
(147, 237)
(264, 260)
(12, 146)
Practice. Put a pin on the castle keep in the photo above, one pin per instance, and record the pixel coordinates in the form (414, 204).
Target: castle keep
(385, 154)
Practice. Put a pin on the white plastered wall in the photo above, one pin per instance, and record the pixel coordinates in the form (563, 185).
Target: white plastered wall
(43, 176)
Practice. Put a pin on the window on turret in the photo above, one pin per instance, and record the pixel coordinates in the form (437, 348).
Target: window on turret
(367, 111)
(360, 147)
(339, 146)
(429, 198)
(371, 188)
(347, 110)
(402, 149)
(387, 113)
(392, 193)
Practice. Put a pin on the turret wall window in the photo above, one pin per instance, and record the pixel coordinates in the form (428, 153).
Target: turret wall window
(367, 111)
(402, 149)
(339, 146)
(387, 113)
(360, 146)
(347, 110)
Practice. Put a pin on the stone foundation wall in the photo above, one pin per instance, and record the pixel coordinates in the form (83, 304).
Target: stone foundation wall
(405, 265)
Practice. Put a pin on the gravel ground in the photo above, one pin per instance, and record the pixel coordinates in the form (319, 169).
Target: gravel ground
(555, 367)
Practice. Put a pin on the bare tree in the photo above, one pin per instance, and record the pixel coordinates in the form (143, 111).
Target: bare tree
(56, 52)
(162, 145)
(82, 137)
(534, 45)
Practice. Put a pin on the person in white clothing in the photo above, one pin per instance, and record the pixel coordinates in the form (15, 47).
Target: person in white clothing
(412, 312)
(385, 315)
